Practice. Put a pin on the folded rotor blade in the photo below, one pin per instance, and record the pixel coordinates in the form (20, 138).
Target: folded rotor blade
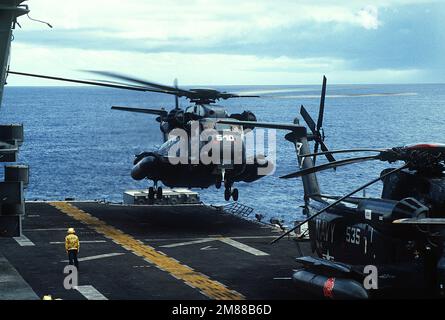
(329, 165)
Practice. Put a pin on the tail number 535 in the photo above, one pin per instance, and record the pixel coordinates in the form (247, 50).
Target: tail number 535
(353, 235)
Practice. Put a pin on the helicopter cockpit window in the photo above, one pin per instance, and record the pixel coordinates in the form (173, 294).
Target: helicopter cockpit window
(198, 110)
(223, 127)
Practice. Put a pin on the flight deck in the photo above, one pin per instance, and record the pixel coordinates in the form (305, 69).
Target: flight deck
(148, 252)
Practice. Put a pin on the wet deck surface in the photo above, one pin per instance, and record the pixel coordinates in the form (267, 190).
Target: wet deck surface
(131, 252)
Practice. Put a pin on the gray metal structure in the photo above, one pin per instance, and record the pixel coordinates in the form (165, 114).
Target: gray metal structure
(12, 204)
(9, 11)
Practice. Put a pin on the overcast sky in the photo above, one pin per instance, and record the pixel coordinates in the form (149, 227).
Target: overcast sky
(235, 42)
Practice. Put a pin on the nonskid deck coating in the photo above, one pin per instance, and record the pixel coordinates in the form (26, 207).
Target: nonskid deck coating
(159, 252)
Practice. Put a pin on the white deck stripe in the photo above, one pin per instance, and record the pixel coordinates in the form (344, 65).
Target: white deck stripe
(229, 241)
(188, 243)
(51, 229)
(87, 241)
(243, 247)
(24, 241)
(100, 256)
(90, 293)
(210, 237)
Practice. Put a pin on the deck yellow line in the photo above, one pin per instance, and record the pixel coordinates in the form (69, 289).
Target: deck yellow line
(208, 287)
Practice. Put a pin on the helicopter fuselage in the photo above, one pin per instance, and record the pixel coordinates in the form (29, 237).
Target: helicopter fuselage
(201, 155)
(363, 233)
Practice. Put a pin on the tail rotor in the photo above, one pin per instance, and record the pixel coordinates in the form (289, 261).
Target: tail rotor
(317, 129)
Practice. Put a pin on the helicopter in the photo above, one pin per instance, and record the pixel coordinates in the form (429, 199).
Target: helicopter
(228, 165)
(371, 247)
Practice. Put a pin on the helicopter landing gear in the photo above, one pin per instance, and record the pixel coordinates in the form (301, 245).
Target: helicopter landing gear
(218, 182)
(227, 194)
(230, 193)
(235, 194)
(155, 192)
(151, 193)
(159, 193)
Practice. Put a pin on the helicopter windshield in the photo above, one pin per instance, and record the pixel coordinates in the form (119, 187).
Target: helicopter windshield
(197, 109)
(165, 147)
(222, 127)
(227, 127)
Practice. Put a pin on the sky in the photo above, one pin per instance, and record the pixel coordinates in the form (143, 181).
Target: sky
(232, 42)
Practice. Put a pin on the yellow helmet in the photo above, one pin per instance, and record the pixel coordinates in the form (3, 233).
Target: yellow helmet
(71, 231)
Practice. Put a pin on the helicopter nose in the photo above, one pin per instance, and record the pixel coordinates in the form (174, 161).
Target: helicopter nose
(231, 148)
(144, 168)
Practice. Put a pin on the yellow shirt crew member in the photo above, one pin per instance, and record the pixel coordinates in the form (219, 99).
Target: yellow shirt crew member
(72, 246)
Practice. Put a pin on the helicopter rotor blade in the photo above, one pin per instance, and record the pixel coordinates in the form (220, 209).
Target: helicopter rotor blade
(320, 120)
(333, 204)
(299, 130)
(159, 112)
(325, 149)
(329, 165)
(307, 118)
(94, 83)
(342, 151)
(421, 221)
(175, 82)
(163, 88)
(244, 96)
(118, 83)
(322, 99)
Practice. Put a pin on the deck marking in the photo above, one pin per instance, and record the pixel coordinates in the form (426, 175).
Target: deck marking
(81, 242)
(90, 293)
(51, 229)
(208, 287)
(100, 256)
(234, 237)
(229, 241)
(180, 244)
(243, 247)
(23, 241)
(283, 278)
(208, 248)
(32, 215)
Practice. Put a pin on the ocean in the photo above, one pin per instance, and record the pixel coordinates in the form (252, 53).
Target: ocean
(77, 147)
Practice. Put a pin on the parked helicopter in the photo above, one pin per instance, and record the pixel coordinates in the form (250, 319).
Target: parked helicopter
(398, 238)
(230, 163)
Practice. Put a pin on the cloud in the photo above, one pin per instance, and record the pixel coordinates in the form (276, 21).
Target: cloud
(368, 17)
(278, 38)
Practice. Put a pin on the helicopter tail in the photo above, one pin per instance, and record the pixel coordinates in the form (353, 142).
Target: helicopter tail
(310, 182)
